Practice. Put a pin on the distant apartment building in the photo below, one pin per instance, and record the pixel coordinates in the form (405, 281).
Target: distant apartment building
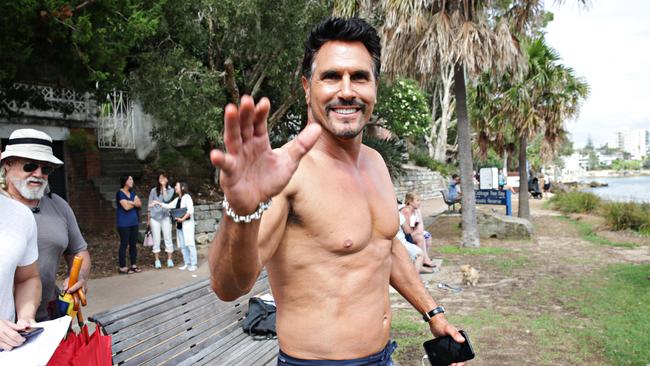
(636, 142)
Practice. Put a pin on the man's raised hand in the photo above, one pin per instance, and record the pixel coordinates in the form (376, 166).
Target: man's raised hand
(251, 172)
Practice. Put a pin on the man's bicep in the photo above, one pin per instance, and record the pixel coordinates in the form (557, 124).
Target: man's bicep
(24, 273)
(272, 227)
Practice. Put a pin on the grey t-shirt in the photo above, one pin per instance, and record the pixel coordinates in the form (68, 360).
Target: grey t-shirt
(58, 233)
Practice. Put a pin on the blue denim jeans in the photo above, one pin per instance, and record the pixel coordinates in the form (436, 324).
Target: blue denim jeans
(381, 358)
(187, 245)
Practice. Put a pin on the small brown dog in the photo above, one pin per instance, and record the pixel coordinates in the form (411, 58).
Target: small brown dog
(470, 275)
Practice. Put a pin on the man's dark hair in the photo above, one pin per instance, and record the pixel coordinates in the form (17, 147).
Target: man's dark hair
(454, 176)
(339, 29)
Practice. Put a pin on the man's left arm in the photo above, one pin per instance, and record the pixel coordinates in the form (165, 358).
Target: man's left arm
(405, 279)
(27, 295)
(76, 246)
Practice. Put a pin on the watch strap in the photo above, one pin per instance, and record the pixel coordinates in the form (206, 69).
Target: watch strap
(430, 314)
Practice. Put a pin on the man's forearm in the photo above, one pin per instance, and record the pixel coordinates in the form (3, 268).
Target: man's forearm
(27, 298)
(234, 259)
(405, 279)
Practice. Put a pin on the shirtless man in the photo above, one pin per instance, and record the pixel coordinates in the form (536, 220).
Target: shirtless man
(328, 239)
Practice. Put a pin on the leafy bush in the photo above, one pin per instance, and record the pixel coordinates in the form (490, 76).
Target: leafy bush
(392, 150)
(422, 159)
(575, 202)
(627, 215)
(405, 108)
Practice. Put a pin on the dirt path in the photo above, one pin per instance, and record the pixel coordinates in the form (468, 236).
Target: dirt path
(522, 283)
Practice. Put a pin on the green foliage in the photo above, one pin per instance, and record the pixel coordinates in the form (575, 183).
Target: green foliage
(626, 165)
(575, 202)
(392, 150)
(646, 163)
(80, 141)
(587, 232)
(182, 79)
(627, 215)
(405, 109)
(421, 158)
(72, 45)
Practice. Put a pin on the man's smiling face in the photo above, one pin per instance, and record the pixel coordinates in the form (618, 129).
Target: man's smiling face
(342, 91)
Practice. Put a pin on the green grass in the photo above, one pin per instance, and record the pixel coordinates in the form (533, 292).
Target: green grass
(507, 265)
(587, 232)
(454, 249)
(575, 202)
(608, 314)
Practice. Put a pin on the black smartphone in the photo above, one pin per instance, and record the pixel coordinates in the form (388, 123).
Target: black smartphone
(30, 332)
(443, 351)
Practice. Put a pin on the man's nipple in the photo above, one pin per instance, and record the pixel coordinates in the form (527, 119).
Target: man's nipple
(347, 244)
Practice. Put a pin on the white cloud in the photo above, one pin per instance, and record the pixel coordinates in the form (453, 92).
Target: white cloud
(608, 44)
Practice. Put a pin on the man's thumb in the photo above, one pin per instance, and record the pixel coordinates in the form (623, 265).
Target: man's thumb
(304, 142)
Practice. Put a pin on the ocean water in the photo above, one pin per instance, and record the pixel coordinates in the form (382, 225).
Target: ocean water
(635, 189)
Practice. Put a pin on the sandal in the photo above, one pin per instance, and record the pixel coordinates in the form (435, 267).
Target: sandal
(124, 271)
(135, 269)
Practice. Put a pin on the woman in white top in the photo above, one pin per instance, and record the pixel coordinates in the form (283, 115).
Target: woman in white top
(184, 225)
(414, 227)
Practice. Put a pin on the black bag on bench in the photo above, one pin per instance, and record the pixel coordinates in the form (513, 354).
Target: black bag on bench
(260, 320)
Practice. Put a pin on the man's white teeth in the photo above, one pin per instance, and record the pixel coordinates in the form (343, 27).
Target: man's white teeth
(345, 111)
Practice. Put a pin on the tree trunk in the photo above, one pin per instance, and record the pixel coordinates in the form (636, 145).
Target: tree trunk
(505, 165)
(470, 226)
(524, 209)
(447, 76)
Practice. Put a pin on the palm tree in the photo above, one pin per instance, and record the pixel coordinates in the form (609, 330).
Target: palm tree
(423, 38)
(548, 94)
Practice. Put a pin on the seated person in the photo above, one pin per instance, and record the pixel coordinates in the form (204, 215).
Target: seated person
(546, 184)
(454, 189)
(503, 184)
(533, 188)
(413, 227)
(415, 253)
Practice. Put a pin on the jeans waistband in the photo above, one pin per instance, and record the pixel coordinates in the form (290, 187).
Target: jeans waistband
(381, 358)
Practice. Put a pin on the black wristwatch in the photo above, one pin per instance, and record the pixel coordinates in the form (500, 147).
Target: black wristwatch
(428, 316)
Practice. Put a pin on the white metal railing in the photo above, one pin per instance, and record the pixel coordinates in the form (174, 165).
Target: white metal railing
(58, 103)
(116, 122)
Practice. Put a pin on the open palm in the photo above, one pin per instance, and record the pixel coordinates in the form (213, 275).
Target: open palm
(251, 172)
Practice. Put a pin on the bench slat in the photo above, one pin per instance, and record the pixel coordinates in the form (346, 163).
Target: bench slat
(187, 325)
(109, 316)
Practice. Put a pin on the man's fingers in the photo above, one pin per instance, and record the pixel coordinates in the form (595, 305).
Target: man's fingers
(304, 142)
(455, 334)
(246, 113)
(224, 161)
(232, 132)
(261, 117)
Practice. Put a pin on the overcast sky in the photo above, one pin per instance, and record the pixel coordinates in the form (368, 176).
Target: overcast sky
(608, 44)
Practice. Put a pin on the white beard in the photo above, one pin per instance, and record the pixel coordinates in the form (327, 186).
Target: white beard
(27, 192)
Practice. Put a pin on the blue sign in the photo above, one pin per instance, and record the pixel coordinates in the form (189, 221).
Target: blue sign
(494, 197)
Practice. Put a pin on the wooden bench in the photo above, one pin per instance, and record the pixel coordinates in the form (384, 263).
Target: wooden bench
(188, 325)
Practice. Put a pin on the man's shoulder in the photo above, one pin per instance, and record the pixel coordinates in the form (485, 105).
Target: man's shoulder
(14, 207)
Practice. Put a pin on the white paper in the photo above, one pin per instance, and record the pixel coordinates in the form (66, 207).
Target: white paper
(38, 350)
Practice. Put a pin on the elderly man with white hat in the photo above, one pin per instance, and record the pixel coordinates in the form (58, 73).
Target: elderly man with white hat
(26, 163)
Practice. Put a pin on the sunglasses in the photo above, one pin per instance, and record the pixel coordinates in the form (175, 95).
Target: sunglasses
(31, 167)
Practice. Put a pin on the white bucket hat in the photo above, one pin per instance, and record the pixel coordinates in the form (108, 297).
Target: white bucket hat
(30, 144)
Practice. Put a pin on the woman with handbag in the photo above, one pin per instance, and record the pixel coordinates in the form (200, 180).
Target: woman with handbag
(159, 220)
(182, 212)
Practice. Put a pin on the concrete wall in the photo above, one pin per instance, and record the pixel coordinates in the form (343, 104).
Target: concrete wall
(424, 181)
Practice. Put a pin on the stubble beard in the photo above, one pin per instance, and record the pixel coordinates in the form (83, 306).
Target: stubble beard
(347, 133)
(25, 191)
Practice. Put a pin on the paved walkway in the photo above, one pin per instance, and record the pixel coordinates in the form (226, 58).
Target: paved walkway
(108, 292)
